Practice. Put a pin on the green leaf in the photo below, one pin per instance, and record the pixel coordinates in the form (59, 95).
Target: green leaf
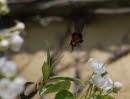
(48, 56)
(104, 97)
(64, 85)
(56, 62)
(45, 71)
(43, 89)
(67, 78)
(64, 94)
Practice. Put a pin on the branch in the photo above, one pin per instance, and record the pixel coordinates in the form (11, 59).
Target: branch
(24, 10)
(117, 55)
(111, 11)
(67, 2)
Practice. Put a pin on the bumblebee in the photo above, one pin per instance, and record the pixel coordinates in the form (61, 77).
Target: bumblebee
(76, 38)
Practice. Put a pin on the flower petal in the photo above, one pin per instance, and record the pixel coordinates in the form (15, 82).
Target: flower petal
(107, 89)
(9, 68)
(118, 85)
(97, 66)
(16, 42)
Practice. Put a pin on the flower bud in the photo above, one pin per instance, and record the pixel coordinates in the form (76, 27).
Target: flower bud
(4, 44)
(18, 83)
(9, 68)
(16, 42)
(118, 85)
(20, 26)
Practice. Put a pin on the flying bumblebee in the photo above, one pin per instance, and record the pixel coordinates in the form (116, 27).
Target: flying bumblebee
(76, 36)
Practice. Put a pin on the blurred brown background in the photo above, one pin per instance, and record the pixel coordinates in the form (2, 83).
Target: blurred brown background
(102, 38)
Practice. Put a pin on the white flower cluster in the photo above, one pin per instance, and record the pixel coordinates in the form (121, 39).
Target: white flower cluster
(11, 89)
(7, 68)
(19, 26)
(101, 81)
(3, 7)
(11, 38)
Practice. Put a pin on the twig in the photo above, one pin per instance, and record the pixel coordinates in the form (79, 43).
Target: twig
(42, 7)
(117, 55)
(22, 95)
(32, 94)
(67, 2)
(111, 11)
(34, 90)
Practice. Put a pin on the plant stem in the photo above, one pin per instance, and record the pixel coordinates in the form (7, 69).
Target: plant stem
(90, 92)
(93, 94)
(87, 91)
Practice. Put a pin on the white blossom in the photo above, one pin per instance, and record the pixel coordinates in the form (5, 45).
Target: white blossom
(16, 42)
(2, 61)
(107, 89)
(97, 67)
(4, 44)
(10, 89)
(101, 82)
(20, 26)
(8, 68)
(118, 85)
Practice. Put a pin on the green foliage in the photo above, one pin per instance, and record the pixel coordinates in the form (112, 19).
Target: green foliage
(48, 57)
(104, 97)
(64, 94)
(47, 66)
(64, 85)
(45, 71)
(115, 90)
(60, 87)
(56, 62)
(43, 89)
(68, 79)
